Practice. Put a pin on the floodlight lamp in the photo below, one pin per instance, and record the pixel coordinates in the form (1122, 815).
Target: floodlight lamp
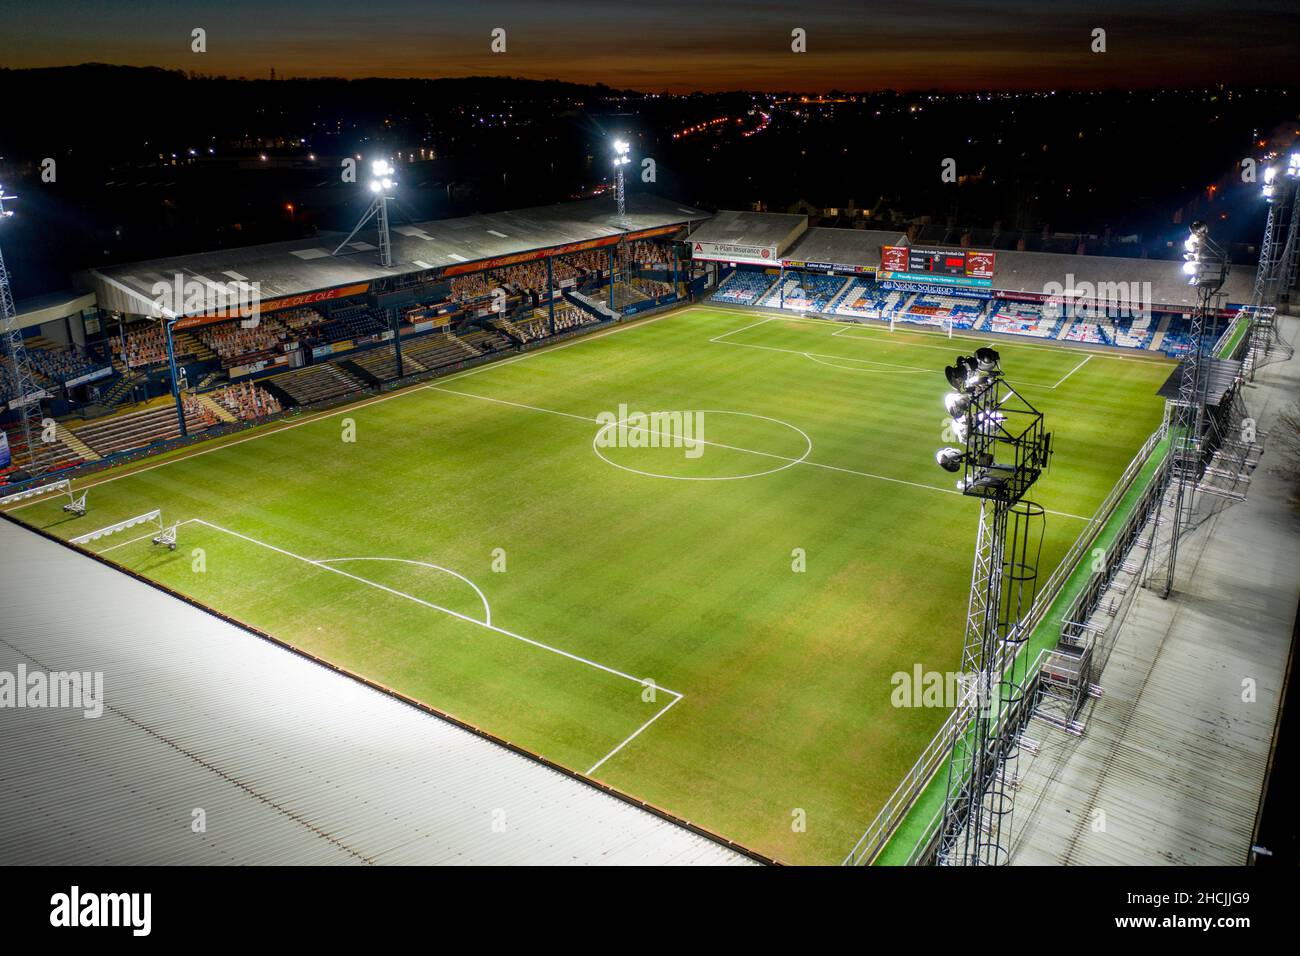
(959, 429)
(374, 186)
(1268, 192)
(949, 459)
(1270, 174)
(387, 184)
(1199, 228)
(956, 403)
(621, 147)
(380, 168)
(986, 359)
(956, 377)
(1192, 242)
(1293, 165)
(1191, 267)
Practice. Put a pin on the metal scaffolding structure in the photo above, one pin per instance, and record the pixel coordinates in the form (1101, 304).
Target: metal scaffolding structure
(1280, 248)
(1006, 449)
(26, 387)
(382, 185)
(1207, 269)
(1275, 274)
(621, 159)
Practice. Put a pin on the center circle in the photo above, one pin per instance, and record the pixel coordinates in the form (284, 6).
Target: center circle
(785, 462)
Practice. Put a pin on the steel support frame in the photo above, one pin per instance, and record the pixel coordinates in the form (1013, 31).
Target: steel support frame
(24, 379)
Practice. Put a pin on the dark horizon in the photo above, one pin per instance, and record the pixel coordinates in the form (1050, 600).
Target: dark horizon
(680, 47)
(1274, 84)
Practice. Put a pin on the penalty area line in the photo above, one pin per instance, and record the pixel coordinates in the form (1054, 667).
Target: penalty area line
(326, 566)
(632, 736)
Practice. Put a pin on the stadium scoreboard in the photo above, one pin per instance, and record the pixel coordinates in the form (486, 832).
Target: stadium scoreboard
(964, 263)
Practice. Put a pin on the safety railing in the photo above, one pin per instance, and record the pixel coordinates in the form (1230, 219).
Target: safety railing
(921, 775)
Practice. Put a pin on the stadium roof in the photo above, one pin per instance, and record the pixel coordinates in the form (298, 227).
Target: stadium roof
(751, 228)
(287, 269)
(848, 247)
(291, 761)
(753, 236)
(1033, 273)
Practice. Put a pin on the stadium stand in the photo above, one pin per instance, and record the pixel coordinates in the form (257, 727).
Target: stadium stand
(58, 365)
(1022, 318)
(246, 401)
(378, 364)
(317, 383)
(484, 340)
(743, 287)
(804, 293)
(136, 429)
(233, 343)
(433, 352)
(57, 454)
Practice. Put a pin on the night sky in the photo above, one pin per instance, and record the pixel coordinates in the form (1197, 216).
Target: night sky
(682, 45)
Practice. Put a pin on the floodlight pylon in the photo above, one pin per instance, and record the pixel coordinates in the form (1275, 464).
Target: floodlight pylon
(1005, 450)
(25, 384)
(1187, 414)
(382, 186)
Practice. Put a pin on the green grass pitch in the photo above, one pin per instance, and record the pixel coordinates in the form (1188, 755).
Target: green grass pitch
(473, 548)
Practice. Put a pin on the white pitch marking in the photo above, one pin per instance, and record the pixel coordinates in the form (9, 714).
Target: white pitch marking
(719, 338)
(1072, 371)
(325, 566)
(638, 428)
(1006, 341)
(815, 464)
(151, 534)
(348, 409)
(636, 732)
(487, 608)
(789, 462)
(846, 368)
(887, 365)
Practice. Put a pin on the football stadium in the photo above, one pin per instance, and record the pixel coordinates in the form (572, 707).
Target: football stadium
(657, 504)
(620, 525)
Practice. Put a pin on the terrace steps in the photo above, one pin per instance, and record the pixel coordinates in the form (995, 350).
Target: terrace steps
(69, 438)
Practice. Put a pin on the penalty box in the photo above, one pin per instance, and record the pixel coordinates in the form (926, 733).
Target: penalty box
(423, 631)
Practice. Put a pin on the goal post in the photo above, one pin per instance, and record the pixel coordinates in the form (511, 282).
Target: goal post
(165, 537)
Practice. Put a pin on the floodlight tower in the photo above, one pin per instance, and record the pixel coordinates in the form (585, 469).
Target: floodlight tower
(1276, 272)
(1206, 267)
(382, 185)
(1004, 450)
(1280, 248)
(621, 159)
(24, 379)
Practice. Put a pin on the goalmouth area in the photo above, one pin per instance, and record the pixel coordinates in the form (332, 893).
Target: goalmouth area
(713, 621)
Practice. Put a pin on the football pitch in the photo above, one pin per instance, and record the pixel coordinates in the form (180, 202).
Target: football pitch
(708, 624)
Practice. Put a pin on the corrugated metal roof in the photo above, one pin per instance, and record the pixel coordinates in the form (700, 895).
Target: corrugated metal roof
(849, 247)
(306, 265)
(291, 762)
(1173, 757)
(1035, 273)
